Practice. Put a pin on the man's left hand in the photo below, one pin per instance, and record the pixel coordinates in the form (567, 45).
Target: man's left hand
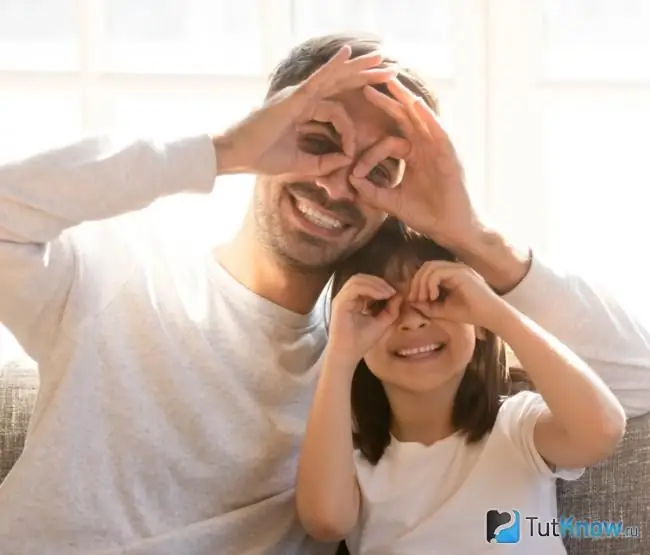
(432, 197)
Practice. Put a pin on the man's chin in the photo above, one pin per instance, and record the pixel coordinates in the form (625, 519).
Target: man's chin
(307, 253)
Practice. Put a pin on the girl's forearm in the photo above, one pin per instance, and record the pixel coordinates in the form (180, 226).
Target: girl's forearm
(327, 493)
(576, 396)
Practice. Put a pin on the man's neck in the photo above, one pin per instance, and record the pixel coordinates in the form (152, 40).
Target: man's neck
(259, 271)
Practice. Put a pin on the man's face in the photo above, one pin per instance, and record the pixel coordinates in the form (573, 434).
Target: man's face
(313, 223)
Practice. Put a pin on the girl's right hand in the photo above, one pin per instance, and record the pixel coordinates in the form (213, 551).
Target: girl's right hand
(362, 311)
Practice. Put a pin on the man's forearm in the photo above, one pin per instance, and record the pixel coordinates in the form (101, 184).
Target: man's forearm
(94, 179)
(502, 264)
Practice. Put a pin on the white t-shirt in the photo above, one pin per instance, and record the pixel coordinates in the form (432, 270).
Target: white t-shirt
(435, 499)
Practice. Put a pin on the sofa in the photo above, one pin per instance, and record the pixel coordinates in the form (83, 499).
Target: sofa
(614, 490)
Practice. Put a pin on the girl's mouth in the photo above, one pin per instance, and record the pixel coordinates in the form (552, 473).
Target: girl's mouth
(423, 351)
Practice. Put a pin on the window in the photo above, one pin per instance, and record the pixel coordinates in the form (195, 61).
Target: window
(548, 101)
(569, 90)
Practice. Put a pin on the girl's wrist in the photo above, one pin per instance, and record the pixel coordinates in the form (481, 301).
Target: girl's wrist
(339, 360)
(504, 320)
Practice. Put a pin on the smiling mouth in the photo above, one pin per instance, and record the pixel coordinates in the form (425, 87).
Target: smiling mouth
(320, 221)
(420, 352)
(317, 217)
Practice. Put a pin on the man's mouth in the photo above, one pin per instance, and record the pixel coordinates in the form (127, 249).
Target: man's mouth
(317, 217)
(423, 351)
(316, 221)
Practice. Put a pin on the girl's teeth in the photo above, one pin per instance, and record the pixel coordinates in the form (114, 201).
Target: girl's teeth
(419, 350)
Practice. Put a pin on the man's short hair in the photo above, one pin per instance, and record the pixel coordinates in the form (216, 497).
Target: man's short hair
(307, 57)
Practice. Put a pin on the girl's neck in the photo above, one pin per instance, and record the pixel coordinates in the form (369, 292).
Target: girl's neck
(422, 417)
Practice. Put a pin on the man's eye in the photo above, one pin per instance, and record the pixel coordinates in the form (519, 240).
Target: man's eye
(380, 176)
(318, 145)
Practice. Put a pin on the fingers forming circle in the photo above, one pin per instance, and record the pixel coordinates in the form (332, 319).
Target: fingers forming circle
(388, 147)
(330, 111)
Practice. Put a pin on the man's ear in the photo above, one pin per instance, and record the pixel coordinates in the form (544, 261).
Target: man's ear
(480, 334)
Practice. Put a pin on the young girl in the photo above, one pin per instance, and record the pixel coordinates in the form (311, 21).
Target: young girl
(441, 461)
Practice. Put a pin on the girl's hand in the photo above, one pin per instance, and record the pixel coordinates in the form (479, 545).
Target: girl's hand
(455, 292)
(362, 312)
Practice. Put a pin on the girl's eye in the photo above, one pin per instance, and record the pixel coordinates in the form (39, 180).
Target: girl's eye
(375, 307)
(318, 145)
(380, 176)
(442, 295)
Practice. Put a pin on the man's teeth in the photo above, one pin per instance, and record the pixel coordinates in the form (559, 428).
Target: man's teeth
(318, 218)
(419, 350)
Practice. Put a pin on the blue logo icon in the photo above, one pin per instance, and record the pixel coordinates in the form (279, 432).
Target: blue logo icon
(502, 526)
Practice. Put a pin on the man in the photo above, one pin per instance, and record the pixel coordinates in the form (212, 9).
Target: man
(176, 379)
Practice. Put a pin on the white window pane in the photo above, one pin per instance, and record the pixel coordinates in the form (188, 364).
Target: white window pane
(217, 216)
(183, 36)
(598, 181)
(33, 119)
(9, 347)
(170, 113)
(168, 110)
(596, 39)
(419, 32)
(465, 130)
(37, 34)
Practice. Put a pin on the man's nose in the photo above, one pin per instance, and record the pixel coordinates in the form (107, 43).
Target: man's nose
(411, 318)
(337, 184)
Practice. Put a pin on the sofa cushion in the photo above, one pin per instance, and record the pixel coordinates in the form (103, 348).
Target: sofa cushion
(616, 489)
(18, 389)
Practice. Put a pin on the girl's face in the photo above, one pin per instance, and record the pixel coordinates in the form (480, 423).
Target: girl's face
(419, 353)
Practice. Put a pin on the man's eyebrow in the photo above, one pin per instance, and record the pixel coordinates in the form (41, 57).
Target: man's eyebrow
(394, 162)
(325, 126)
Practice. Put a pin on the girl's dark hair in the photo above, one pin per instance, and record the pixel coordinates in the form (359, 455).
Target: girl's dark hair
(486, 379)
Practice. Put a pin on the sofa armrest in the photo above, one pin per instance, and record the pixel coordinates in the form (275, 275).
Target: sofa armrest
(18, 390)
(616, 489)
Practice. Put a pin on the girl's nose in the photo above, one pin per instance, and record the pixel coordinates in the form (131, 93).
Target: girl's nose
(411, 318)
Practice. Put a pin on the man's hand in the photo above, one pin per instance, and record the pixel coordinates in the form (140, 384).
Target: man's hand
(432, 197)
(266, 142)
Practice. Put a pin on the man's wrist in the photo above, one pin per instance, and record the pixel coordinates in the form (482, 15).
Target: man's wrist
(501, 263)
(226, 156)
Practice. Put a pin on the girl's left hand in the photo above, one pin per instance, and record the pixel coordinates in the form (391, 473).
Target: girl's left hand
(454, 291)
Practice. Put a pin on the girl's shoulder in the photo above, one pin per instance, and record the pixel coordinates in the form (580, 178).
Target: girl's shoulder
(521, 403)
(518, 414)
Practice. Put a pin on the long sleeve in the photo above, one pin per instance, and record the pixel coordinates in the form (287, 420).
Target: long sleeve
(591, 322)
(44, 198)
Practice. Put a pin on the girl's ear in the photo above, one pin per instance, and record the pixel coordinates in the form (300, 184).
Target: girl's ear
(480, 334)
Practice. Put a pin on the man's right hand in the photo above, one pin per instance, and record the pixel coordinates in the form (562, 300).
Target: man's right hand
(266, 142)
